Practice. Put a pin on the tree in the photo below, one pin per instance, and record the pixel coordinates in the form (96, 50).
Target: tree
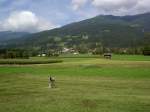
(146, 44)
(82, 48)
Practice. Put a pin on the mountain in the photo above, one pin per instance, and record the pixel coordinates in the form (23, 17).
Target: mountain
(110, 31)
(9, 35)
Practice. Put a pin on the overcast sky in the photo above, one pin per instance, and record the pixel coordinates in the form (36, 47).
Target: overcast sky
(39, 15)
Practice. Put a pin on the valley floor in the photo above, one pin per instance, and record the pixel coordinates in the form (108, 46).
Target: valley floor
(82, 85)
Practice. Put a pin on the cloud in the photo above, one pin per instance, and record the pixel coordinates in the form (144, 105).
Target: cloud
(111, 5)
(122, 7)
(77, 4)
(25, 21)
(114, 7)
(143, 6)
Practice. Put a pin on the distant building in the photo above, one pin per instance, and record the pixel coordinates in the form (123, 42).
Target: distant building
(42, 55)
(68, 50)
(65, 50)
(75, 53)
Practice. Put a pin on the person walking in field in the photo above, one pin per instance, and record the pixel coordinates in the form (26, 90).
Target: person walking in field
(51, 82)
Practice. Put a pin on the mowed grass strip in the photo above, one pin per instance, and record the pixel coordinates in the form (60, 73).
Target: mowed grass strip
(122, 72)
(85, 66)
(27, 92)
(131, 57)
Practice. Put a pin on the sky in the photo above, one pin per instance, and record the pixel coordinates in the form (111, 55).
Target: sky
(38, 15)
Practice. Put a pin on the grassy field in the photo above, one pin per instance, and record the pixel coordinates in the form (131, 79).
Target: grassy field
(83, 84)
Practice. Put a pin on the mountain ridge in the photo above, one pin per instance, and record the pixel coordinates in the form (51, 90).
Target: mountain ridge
(8, 35)
(111, 31)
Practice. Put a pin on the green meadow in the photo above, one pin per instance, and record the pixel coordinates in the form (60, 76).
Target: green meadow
(84, 83)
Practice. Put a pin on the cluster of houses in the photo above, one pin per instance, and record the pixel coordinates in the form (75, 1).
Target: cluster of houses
(64, 51)
(72, 51)
(69, 50)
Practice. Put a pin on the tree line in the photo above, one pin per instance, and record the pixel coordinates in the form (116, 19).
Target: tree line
(80, 44)
(14, 53)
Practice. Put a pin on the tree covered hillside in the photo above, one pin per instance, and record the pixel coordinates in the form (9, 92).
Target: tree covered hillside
(105, 31)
